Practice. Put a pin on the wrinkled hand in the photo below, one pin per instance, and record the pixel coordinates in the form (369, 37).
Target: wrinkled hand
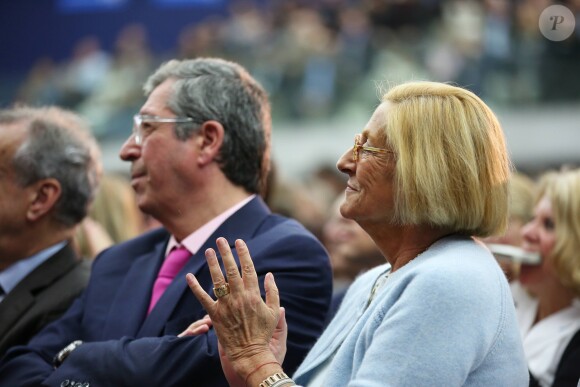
(244, 324)
(277, 344)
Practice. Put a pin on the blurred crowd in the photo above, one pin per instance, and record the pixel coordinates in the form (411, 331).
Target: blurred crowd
(306, 56)
(317, 59)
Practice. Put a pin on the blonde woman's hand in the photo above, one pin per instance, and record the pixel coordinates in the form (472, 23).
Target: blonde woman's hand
(243, 322)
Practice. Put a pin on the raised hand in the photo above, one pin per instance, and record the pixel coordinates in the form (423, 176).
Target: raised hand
(243, 322)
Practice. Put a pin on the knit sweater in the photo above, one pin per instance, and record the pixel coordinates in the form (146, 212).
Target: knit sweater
(444, 319)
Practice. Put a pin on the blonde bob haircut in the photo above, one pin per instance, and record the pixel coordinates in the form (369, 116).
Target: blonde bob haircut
(563, 191)
(452, 164)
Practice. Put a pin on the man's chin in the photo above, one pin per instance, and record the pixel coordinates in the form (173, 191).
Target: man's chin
(143, 204)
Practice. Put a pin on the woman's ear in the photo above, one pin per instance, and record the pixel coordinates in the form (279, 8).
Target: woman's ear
(211, 136)
(43, 196)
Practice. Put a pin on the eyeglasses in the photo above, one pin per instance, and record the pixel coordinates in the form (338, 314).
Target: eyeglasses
(358, 147)
(141, 131)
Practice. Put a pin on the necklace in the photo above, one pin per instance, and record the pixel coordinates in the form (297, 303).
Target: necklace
(381, 279)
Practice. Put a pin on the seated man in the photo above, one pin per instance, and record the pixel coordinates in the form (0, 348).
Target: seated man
(49, 165)
(199, 154)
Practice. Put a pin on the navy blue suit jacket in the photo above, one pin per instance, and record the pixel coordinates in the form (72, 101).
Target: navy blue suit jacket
(125, 347)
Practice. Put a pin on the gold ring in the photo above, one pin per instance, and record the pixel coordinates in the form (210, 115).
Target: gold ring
(222, 290)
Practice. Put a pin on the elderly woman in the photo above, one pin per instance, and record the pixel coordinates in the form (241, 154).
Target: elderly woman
(427, 174)
(549, 312)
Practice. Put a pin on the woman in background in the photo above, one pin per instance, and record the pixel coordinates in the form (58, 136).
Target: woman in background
(521, 209)
(548, 306)
(113, 217)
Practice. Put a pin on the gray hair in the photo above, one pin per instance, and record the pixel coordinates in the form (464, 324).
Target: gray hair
(215, 89)
(58, 145)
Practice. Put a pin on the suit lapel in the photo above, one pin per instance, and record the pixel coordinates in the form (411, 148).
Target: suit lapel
(129, 308)
(241, 225)
(21, 298)
(12, 308)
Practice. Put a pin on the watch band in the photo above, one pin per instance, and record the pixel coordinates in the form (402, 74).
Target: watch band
(278, 379)
(63, 353)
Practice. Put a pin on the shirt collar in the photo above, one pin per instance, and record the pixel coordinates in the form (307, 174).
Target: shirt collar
(16, 272)
(196, 239)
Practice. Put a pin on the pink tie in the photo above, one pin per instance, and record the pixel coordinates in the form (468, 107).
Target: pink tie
(172, 265)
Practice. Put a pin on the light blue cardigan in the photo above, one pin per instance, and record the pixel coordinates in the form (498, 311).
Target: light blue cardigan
(444, 319)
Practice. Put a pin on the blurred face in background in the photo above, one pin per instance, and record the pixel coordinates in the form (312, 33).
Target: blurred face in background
(539, 235)
(513, 237)
(521, 208)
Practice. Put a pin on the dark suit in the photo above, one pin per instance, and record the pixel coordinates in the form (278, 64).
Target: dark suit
(41, 297)
(568, 371)
(124, 347)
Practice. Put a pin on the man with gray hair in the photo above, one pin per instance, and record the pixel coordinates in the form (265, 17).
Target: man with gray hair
(49, 167)
(199, 154)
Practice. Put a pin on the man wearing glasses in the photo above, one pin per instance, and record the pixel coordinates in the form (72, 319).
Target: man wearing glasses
(199, 153)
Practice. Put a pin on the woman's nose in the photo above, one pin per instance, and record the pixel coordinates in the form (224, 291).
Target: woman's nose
(345, 163)
(528, 232)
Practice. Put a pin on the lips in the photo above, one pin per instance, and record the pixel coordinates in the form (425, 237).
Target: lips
(135, 176)
(350, 187)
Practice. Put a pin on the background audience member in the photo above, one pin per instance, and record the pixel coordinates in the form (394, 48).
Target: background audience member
(199, 154)
(118, 95)
(521, 210)
(548, 306)
(49, 169)
(419, 316)
(114, 217)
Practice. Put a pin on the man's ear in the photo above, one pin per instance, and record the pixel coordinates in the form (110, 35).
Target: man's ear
(43, 196)
(211, 137)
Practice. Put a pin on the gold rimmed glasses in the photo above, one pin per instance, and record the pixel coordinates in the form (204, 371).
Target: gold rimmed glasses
(358, 146)
(140, 131)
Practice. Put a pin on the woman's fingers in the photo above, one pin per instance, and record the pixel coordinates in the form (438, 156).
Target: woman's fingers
(272, 295)
(232, 272)
(201, 295)
(248, 281)
(279, 336)
(217, 277)
(249, 275)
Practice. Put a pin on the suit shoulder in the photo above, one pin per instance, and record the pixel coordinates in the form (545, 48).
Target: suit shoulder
(281, 223)
(141, 244)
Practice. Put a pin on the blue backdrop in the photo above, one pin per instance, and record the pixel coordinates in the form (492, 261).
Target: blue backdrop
(30, 29)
